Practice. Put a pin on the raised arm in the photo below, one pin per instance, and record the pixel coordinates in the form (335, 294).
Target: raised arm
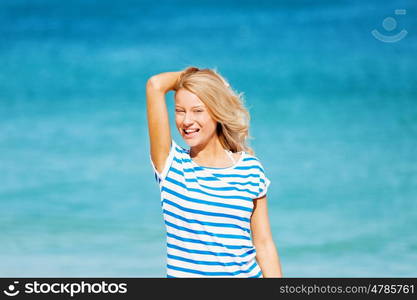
(158, 119)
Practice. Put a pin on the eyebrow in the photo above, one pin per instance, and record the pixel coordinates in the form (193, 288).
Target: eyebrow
(191, 107)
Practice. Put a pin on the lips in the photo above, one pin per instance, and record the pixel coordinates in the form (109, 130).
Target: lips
(190, 132)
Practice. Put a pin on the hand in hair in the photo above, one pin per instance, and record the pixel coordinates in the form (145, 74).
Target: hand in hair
(187, 71)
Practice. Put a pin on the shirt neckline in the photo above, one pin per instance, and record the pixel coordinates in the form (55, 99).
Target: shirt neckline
(213, 168)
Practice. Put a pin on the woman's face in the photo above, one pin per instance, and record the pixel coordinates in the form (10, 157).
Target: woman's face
(191, 114)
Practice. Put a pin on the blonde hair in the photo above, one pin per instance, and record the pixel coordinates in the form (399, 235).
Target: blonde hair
(224, 105)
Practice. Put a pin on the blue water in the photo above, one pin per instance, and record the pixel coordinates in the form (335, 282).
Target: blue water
(333, 116)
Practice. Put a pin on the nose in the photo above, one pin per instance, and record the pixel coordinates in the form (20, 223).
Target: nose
(188, 119)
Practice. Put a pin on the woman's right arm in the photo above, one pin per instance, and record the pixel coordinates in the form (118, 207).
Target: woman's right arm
(158, 119)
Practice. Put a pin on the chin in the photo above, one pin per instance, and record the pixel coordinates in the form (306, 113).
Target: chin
(190, 142)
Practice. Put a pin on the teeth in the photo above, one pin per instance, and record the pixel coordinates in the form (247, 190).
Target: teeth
(189, 131)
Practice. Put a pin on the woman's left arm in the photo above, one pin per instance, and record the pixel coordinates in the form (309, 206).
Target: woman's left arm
(266, 252)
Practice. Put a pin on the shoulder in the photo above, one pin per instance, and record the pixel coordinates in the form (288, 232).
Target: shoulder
(179, 149)
(252, 162)
(251, 159)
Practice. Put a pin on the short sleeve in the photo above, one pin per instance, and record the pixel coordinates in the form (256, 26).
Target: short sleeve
(264, 182)
(159, 177)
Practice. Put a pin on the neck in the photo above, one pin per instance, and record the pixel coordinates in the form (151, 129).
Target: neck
(212, 150)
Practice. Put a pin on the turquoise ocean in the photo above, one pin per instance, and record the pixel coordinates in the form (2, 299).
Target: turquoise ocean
(333, 120)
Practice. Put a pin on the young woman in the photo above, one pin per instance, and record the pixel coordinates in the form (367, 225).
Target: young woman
(213, 195)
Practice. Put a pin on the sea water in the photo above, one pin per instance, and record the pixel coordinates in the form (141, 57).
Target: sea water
(333, 121)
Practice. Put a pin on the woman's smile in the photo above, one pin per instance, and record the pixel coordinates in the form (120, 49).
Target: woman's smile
(190, 133)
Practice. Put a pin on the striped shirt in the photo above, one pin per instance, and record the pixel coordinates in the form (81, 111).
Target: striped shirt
(207, 215)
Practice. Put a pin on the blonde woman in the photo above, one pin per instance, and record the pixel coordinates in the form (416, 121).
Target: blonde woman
(213, 195)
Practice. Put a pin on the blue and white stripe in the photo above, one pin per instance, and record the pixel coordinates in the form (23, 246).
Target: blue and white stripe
(207, 215)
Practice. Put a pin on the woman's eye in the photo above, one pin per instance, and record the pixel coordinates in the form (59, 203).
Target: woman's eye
(198, 111)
